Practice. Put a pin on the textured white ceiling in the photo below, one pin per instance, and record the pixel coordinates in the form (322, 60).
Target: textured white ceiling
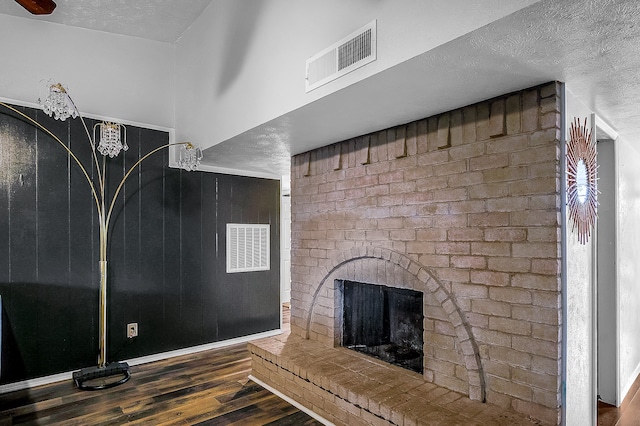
(160, 20)
(593, 46)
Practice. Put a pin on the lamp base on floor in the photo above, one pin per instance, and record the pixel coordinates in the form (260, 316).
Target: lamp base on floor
(98, 378)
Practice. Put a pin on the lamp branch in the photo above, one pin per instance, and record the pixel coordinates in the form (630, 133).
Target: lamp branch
(131, 169)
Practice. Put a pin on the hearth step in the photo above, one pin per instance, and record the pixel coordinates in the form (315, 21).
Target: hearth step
(349, 388)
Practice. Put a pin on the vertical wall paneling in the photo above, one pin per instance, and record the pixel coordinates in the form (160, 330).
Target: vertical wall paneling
(211, 247)
(52, 244)
(21, 249)
(83, 249)
(191, 237)
(171, 288)
(257, 293)
(166, 269)
(124, 241)
(151, 316)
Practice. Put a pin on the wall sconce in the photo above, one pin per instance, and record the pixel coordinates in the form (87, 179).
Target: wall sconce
(58, 104)
(111, 140)
(190, 157)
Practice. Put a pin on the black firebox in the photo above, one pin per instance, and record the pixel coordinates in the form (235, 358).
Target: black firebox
(384, 322)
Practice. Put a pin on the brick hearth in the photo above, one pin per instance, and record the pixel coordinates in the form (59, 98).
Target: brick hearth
(348, 388)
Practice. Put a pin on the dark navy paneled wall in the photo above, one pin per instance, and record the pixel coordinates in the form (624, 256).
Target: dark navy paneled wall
(166, 262)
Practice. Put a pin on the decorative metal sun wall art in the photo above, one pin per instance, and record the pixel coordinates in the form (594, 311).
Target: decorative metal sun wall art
(582, 176)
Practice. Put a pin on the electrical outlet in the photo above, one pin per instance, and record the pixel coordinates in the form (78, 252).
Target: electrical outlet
(132, 330)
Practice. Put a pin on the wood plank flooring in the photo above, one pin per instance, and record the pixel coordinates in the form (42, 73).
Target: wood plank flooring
(207, 388)
(628, 414)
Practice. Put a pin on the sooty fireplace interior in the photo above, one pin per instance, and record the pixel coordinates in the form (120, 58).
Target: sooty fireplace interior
(384, 322)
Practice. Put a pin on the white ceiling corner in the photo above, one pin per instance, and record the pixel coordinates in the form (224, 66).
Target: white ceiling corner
(159, 20)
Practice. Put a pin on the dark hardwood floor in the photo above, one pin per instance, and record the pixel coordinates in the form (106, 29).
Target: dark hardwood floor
(207, 388)
(628, 414)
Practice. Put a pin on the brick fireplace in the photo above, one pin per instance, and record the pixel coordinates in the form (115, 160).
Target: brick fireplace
(463, 207)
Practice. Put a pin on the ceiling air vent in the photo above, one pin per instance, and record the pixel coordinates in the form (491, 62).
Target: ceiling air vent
(353, 51)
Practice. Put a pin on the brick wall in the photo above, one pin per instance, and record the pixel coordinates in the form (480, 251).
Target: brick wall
(463, 206)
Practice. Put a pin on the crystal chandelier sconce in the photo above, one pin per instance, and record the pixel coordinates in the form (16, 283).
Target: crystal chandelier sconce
(190, 157)
(58, 104)
(111, 141)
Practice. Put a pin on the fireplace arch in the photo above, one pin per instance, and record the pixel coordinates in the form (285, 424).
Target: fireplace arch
(387, 267)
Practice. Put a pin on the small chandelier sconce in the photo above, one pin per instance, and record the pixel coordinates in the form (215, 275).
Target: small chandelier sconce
(190, 157)
(113, 138)
(58, 104)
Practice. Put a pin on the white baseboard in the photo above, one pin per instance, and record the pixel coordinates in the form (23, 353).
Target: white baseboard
(627, 386)
(205, 347)
(39, 381)
(291, 401)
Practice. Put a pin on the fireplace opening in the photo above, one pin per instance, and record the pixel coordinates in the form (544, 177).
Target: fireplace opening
(383, 322)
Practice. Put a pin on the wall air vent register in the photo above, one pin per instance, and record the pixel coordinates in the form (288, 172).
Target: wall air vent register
(344, 56)
(247, 247)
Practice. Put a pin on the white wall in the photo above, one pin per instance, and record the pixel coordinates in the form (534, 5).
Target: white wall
(579, 335)
(580, 380)
(242, 63)
(579, 299)
(120, 77)
(628, 209)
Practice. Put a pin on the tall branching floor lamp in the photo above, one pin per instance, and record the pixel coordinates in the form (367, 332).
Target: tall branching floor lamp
(59, 105)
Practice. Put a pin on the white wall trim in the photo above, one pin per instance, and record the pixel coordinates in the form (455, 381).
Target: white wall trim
(172, 132)
(32, 383)
(594, 305)
(291, 401)
(606, 128)
(236, 172)
(173, 154)
(563, 254)
(98, 117)
(20, 103)
(620, 393)
(39, 381)
(285, 233)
